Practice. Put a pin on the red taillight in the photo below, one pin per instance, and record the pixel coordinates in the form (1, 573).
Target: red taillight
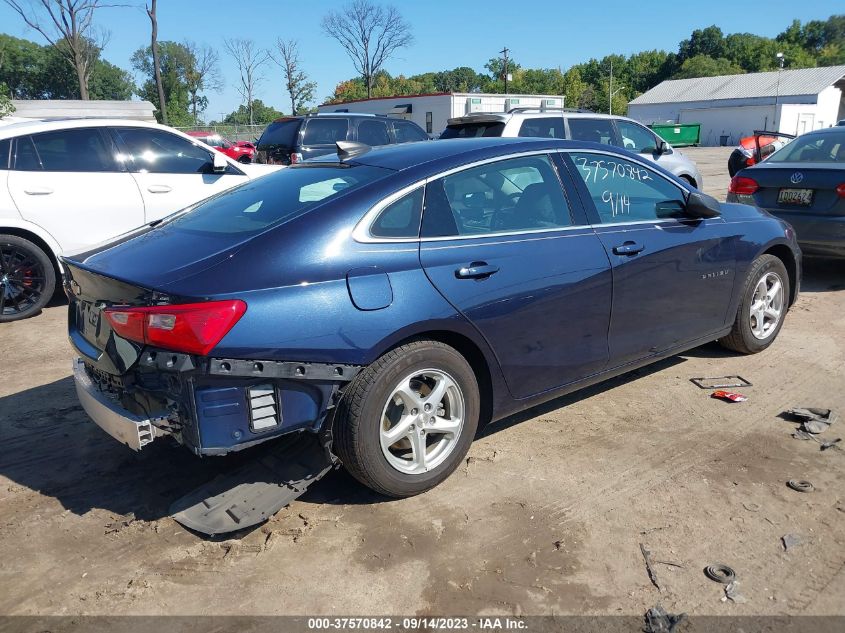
(840, 190)
(743, 186)
(193, 328)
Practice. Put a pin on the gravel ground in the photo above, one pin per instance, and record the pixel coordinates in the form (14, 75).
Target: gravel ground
(545, 517)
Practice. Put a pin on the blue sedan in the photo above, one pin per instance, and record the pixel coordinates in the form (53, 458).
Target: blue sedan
(389, 301)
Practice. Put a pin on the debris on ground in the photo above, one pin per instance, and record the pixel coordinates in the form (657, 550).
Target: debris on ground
(720, 573)
(720, 382)
(732, 592)
(800, 485)
(831, 444)
(751, 507)
(728, 396)
(119, 523)
(658, 620)
(790, 540)
(649, 567)
(813, 419)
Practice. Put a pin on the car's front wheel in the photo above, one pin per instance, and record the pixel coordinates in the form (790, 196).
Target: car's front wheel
(762, 308)
(407, 421)
(27, 278)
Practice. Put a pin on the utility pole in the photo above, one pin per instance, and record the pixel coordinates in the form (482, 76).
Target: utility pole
(777, 92)
(505, 52)
(611, 91)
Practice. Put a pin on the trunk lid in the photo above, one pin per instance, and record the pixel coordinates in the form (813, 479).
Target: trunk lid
(820, 178)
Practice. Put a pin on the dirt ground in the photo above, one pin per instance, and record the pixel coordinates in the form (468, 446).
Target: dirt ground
(546, 516)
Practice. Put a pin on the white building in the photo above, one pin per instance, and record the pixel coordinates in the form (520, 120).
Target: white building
(733, 106)
(432, 111)
(75, 108)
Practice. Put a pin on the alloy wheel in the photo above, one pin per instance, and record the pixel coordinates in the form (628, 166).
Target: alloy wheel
(767, 304)
(22, 280)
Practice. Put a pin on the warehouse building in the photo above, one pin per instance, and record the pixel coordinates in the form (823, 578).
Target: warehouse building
(732, 106)
(432, 111)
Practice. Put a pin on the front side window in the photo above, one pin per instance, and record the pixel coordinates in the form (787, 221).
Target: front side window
(518, 194)
(624, 191)
(324, 131)
(407, 132)
(75, 150)
(429, 125)
(400, 218)
(159, 152)
(542, 127)
(592, 130)
(636, 138)
(373, 133)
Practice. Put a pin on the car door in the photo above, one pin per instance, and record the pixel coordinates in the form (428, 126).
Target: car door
(672, 276)
(640, 140)
(504, 245)
(594, 130)
(407, 131)
(320, 135)
(171, 171)
(70, 183)
(373, 132)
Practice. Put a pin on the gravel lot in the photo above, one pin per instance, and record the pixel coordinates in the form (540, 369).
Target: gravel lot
(546, 516)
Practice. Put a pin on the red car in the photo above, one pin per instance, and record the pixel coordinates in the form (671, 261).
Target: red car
(241, 151)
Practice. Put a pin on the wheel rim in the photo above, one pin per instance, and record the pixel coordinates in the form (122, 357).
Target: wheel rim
(766, 306)
(422, 421)
(22, 280)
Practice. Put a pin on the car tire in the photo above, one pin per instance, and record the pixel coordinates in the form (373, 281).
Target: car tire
(27, 278)
(689, 181)
(751, 332)
(245, 160)
(372, 408)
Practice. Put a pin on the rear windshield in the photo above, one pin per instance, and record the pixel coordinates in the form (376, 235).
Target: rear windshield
(813, 148)
(264, 202)
(474, 130)
(280, 134)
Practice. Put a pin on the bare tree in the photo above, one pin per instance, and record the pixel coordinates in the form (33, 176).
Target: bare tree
(203, 75)
(162, 105)
(249, 59)
(301, 90)
(68, 26)
(370, 34)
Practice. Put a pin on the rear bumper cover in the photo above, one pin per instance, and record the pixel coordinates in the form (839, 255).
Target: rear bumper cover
(127, 428)
(822, 235)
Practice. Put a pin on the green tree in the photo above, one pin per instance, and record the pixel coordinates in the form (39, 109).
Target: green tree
(176, 62)
(704, 66)
(708, 42)
(261, 114)
(6, 106)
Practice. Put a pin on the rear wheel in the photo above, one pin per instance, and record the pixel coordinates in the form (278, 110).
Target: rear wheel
(27, 278)
(689, 180)
(765, 300)
(407, 421)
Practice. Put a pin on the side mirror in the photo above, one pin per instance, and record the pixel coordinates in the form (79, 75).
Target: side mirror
(701, 206)
(662, 147)
(219, 163)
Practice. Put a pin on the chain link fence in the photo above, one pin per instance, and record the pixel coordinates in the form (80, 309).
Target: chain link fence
(231, 132)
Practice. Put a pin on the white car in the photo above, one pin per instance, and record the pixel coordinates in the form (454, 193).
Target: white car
(66, 185)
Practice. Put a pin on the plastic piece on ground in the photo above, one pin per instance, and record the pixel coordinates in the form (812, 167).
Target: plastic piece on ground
(720, 573)
(729, 396)
(800, 485)
(657, 620)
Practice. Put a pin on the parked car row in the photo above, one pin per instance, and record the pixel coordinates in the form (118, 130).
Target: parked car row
(241, 151)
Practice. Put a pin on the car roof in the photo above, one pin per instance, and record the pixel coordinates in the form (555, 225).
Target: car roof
(328, 115)
(506, 116)
(836, 129)
(34, 126)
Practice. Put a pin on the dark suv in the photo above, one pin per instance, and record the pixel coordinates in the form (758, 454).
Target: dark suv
(293, 139)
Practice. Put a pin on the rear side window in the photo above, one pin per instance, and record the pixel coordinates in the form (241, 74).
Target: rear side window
(474, 130)
(542, 127)
(373, 132)
(325, 131)
(813, 148)
(518, 194)
(77, 150)
(592, 130)
(280, 134)
(400, 218)
(264, 202)
(160, 152)
(5, 150)
(407, 132)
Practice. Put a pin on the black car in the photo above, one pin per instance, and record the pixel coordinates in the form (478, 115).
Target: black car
(292, 139)
(804, 184)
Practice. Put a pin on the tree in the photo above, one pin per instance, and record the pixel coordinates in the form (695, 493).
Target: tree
(257, 113)
(201, 75)
(6, 105)
(175, 63)
(249, 60)
(68, 26)
(162, 102)
(300, 90)
(709, 42)
(370, 34)
(704, 66)
(461, 79)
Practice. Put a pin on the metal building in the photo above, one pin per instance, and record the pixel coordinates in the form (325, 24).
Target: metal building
(732, 106)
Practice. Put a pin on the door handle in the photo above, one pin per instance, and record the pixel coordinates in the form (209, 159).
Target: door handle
(628, 248)
(476, 270)
(38, 191)
(159, 189)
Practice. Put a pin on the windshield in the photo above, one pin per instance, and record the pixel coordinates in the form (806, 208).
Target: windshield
(264, 202)
(280, 133)
(813, 148)
(474, 130)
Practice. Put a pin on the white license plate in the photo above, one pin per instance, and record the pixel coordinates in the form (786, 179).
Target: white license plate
(796, 196)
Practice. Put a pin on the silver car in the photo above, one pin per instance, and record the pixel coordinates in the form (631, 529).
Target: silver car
(578, 126)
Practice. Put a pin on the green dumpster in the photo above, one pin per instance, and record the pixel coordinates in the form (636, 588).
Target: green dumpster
(678, 134)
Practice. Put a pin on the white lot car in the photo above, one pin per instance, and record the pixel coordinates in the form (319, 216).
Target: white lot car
(66, 185)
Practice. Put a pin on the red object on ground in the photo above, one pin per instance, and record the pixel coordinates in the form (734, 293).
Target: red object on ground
(729, 396)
